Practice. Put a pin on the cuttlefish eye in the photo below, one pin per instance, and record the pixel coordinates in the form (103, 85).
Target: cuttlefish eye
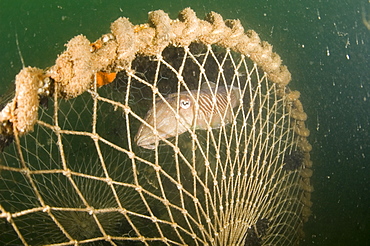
(185, 103)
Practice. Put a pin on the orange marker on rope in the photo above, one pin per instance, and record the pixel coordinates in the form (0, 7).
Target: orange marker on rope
(103, 78)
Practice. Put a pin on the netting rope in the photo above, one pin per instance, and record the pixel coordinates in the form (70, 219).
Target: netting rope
(220, 157)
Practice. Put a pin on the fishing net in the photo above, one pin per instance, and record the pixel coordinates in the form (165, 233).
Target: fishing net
(174, 132)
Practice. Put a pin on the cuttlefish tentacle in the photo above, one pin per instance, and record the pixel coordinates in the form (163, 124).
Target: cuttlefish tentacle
(179, 112)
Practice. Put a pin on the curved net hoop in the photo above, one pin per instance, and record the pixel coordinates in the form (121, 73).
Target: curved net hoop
(174, 132)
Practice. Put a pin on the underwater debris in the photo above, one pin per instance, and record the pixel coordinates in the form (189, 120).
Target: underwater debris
(5, 140)
(293, 161)
(256, 232)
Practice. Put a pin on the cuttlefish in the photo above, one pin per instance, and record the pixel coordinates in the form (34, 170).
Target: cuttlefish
(180, 113)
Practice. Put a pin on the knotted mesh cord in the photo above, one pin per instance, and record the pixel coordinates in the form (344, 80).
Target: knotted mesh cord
(80, 178)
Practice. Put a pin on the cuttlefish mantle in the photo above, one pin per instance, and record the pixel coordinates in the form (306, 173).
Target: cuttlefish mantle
(210, 107)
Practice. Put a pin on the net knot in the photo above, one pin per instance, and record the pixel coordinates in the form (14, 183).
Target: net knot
(154, 219)
(138, 188)
(176, 149)
(157, 168)
(122, 211)
(25, 171)
(155, 90)
(67, 173)
(109, 181)
(126, 109)
(46, 209)
(90, 210)
(131, 155)
(7, 215)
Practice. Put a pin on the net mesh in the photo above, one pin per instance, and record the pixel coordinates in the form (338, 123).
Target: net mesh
(73, 172)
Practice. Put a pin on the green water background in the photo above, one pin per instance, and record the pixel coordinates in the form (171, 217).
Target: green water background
(323, 42)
